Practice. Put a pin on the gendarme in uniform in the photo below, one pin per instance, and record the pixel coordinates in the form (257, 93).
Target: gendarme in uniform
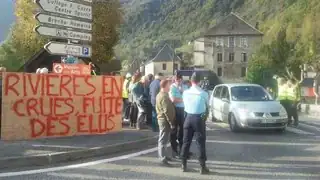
(195, 100)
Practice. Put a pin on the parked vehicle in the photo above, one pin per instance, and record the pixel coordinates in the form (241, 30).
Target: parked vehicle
(210, 75)
(246, 106)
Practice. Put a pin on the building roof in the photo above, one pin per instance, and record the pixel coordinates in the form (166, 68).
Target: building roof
(232, 25)
(166, 54)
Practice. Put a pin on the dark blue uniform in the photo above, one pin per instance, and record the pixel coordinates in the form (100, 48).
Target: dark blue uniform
(195, 100)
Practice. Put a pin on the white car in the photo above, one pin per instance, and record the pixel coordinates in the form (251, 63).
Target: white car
(246, 106)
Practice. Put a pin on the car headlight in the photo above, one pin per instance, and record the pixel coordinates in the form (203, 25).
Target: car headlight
(283, 112)
(244, 113)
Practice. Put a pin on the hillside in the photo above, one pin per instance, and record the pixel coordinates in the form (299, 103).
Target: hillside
(6, 17)
(151, 23)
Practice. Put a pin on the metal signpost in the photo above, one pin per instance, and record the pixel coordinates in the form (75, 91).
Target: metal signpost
(69, 20)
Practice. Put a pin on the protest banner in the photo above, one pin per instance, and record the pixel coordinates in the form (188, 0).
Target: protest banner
(57, 105)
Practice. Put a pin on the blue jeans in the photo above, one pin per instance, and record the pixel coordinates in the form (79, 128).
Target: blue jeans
(155, 126)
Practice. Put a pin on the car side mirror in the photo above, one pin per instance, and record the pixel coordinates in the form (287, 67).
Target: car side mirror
(225, 100)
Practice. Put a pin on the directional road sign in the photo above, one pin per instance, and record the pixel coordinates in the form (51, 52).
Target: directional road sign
(57, 68)
(66, 8)
(63, 33)
(89, 1)
(68, 49)
(79, 69)
(59, 21)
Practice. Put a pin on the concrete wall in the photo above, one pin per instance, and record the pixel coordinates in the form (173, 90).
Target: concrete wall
(149, 68)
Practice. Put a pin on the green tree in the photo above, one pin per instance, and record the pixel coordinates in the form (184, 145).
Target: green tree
(23, 37)
(311, 41)
(279, 57)
(260, 67)
(107, 17)
(23, 42)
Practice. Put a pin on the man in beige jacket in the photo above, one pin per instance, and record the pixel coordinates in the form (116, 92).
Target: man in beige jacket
(166, 116)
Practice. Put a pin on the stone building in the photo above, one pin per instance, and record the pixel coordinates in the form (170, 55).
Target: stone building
(166, 62)
(227, 47)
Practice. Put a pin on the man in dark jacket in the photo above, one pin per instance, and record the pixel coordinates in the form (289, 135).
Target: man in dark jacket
(154, 89)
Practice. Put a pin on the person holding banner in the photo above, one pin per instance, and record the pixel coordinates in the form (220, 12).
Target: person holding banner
(125, 96)
(132, 98)
(2, 70)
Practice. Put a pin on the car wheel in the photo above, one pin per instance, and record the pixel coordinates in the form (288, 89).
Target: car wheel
(233, 123)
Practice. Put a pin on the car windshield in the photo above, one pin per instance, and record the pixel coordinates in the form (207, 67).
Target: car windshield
(249, 93)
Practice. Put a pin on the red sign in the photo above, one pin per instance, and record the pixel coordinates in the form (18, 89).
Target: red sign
(79, 69)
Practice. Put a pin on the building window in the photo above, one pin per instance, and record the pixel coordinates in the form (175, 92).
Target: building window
(231, 42)
(244, 57)
(231, 57)
(219, 42)
(164, 66)
(243, 42)
(243, 71)
(175, 66)
(219, 57)
(219, 71)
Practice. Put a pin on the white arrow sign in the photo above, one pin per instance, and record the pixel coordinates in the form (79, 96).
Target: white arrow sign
(68, 49)
(89, 1)
(66, 8)
(54, 20)
(63, 33)
(57, 68)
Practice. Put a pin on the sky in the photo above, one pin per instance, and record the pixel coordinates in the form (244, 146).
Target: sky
(6, 17)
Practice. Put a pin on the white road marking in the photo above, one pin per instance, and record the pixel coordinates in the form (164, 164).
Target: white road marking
(86, 176)
(298, 131)
(74, 166)
(270, 143)
(57, 146)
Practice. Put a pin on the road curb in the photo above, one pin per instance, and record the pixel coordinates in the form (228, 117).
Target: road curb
(54, 158)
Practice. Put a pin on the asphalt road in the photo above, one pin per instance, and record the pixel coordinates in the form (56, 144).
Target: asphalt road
(294, 154)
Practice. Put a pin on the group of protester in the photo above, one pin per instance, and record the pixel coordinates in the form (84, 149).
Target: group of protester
(176, 110)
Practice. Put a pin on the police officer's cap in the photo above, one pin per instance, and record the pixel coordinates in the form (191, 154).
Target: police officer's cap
(195, 77)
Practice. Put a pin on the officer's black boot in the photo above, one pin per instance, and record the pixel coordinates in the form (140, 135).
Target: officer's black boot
(184, 165)
(204, 169)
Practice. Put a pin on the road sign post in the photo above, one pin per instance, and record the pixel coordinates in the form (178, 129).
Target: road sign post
(68, 49)
(65, 22)
(65, 19)
(63, 33)
(67, 8)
